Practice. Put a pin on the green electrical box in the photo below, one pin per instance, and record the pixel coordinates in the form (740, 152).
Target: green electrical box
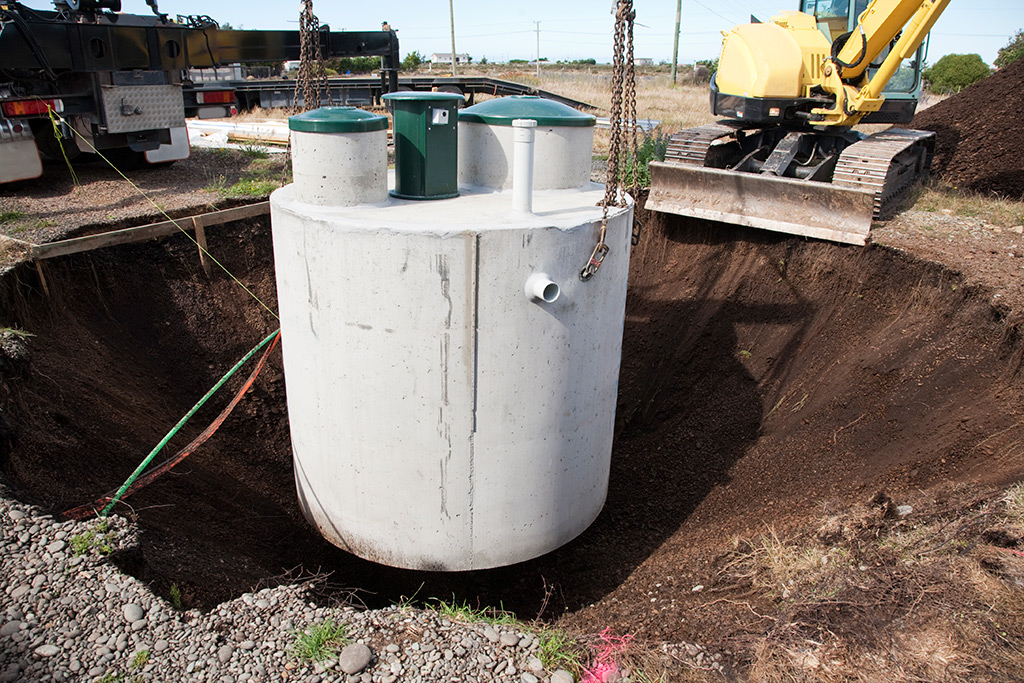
(426, 144)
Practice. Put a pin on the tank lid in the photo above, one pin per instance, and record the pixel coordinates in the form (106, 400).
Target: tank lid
(337, 120)
(424, 96)
(503, 111)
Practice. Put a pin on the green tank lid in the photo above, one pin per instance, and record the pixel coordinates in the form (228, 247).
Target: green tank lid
(337, 120)
(424, 96)
(503, 111)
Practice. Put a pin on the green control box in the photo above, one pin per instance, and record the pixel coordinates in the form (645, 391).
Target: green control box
(426, 144)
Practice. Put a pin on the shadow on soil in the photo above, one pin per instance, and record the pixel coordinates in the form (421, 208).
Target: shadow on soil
(745, 355)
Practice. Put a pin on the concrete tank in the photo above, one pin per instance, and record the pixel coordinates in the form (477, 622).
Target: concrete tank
(564, 143)
(339, 156)
(451, 380)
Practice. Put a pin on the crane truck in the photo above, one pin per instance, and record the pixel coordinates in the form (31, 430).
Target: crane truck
(785, 156)
(86, 77)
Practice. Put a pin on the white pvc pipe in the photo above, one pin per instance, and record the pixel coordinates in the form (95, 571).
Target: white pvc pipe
(523, 131)
(539, 286)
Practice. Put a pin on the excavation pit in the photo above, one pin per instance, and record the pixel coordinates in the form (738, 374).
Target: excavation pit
(762, 379)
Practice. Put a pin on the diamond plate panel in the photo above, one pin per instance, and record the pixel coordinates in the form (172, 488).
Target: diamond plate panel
(130, 108)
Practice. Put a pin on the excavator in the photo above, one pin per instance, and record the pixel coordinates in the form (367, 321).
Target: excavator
(785, 156)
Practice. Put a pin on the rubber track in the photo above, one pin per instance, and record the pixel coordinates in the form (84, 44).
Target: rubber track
(874, 164)
(690, 146)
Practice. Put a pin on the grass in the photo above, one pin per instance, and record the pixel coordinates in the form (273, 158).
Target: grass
(96, 541)
(11, 216)
(175, 594)
(455, 611)
(873, 596)
(255, 150)
(320, 641)
(939, 197)
(560, 650)
(140, 660)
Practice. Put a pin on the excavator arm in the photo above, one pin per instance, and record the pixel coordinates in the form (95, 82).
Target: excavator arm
(904, 24)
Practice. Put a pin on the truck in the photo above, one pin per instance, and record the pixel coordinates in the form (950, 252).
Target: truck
(86, 78)
(785, 155)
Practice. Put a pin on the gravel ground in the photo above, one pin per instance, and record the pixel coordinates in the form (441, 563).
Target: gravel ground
(68, 614)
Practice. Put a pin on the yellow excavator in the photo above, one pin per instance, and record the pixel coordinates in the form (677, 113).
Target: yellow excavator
(785, 156)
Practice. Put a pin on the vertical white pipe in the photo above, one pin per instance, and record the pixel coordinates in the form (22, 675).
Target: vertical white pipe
(523, 132)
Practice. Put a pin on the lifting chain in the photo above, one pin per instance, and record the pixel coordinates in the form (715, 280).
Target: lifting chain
(623, 89)
(312, 77)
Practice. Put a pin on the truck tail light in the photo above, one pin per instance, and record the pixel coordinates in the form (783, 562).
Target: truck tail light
(215, 97)
(31, 107)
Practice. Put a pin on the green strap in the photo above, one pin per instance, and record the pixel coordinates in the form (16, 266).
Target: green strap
(181, 423)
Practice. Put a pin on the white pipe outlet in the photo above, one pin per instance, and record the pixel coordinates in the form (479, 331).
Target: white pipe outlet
(523, 134)
(540, 287)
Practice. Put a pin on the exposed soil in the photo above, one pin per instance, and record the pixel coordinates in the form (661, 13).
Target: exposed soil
(977, 146)
(764, 380)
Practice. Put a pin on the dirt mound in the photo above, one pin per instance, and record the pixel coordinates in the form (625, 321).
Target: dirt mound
(977, 146)
(763, 379)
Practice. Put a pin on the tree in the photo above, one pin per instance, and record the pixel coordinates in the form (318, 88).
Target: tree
(412, 60)
(953, 73)
(1013, 51)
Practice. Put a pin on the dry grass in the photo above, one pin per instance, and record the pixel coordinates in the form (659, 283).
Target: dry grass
(870, 596)
(939, 197)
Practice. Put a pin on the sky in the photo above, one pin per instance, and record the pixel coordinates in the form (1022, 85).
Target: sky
(575, 29)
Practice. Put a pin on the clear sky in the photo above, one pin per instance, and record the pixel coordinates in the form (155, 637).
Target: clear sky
(575, 29)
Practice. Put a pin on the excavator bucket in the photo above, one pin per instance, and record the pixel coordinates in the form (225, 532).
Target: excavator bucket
(798, 207)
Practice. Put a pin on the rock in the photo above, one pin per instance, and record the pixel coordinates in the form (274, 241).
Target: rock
(508, 639)
(133, 612)
(903, 510)
(562, 676)
(491, 635)
(10, 627)
(160, 645)
(224, 653)
(535, 665)
(527, 677)
(247, 644)
(47, 650)
(16, 515)
(1019, 229)
(354, 658)
(56, 547)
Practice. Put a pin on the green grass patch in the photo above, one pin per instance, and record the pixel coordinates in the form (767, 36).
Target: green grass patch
(11, 216)
(455, 611)
(251, 187)
(175, 594)
(559, 650)
(98, 540)
(320, 641)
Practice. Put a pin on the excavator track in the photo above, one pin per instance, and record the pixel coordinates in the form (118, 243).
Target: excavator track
(888, 163)
(690, 146)
(870, 179)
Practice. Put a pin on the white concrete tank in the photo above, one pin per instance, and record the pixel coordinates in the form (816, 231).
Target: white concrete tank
(563, 148)
(339, 156)
(451, 380)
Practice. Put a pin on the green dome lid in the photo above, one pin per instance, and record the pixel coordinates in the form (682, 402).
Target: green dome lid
(337, 120)
(424, 96)
(502, 111)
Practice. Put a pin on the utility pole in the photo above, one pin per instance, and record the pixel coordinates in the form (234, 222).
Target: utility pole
(451, 15)
(538, 49)
(675, 41)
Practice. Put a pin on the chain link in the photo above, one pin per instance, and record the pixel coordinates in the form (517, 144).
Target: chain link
(312, 76)
(623, 88)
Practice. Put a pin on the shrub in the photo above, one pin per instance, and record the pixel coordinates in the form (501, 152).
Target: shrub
(1013, 51)
(953, 73)
(412, 60)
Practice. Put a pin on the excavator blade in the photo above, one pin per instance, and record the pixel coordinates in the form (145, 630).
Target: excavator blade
(790, 205)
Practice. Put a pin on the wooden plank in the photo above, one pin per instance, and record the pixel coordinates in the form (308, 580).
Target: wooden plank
(42, 278)
(204, 261)
(145, 232)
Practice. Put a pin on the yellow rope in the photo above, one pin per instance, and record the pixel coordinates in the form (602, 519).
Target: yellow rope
(55, 118)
